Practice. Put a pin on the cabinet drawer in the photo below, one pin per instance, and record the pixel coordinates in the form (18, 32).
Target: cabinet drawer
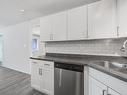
(48, 64)
(37, 62)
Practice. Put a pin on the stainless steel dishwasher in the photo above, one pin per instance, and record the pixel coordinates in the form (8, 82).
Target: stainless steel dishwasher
(69, 79)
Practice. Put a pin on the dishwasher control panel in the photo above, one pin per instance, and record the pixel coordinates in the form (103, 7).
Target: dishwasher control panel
(67, 66)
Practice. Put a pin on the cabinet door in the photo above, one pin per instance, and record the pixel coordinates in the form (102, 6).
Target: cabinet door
(102, 19)
(47, 78)
(35, 75)
(59, 26)
(122, 17)
(35, 26)
(96, 88)
(45, 27)
(47, 81)
(112, 92)
(77, 23)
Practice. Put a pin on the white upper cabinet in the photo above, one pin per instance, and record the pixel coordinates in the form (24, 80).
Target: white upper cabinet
(54, 27)
(94, 21)
(46, 28)
(35, 26)
(77, 23)
(59, 26)
(102, 19)
(122, 17)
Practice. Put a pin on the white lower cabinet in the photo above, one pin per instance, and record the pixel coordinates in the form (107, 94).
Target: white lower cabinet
(104, 84)
(42, 76)
(112, 92)
(96, 88)
(35, 74)
(47, 81)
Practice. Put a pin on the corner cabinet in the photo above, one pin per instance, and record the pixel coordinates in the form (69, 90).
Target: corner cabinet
(102, 19)
(77, 23)
(42, 76)
(54, 27)
(104, 84)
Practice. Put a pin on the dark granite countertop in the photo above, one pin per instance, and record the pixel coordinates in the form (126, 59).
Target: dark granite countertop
(96, 62)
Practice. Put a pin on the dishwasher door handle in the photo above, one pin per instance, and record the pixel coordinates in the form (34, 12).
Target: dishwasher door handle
(60, 78)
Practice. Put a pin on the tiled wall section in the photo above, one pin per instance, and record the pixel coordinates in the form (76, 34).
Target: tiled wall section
(92, 47)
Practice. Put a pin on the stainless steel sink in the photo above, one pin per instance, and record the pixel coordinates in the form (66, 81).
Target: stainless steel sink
(108, 64)
(112, 66)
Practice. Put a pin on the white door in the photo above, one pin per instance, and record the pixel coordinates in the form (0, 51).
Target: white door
(112, 92)
(59, 26)
(35, 74)
(122, 17)
(45, 28)
(77, 23)
(96, 88)
(102, 19)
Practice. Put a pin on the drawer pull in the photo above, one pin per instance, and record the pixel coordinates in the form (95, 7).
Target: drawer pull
(34, 62)
(47, 64)
(40, 71)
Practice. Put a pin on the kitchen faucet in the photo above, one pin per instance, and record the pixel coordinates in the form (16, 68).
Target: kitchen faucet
(124, 46)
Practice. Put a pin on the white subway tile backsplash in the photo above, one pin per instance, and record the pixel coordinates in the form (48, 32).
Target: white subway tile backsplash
(105, 46)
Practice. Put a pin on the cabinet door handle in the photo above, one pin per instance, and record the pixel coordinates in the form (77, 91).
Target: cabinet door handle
(51, 36)
(39, 71)
(47, 64)
(118, 31)
(104, 92)
(34, 62)
(109, 94)
(60, 78)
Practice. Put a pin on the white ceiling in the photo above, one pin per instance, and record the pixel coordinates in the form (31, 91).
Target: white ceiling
(10, 9)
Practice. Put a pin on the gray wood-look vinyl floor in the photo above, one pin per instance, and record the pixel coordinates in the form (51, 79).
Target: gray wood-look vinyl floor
(15, 83)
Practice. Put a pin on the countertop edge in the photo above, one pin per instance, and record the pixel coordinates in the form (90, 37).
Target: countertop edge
(95, 66)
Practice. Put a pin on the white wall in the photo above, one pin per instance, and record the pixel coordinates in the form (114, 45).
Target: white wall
(1, 48)
(16, 47)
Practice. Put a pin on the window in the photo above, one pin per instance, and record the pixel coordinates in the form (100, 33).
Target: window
(35, 43)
